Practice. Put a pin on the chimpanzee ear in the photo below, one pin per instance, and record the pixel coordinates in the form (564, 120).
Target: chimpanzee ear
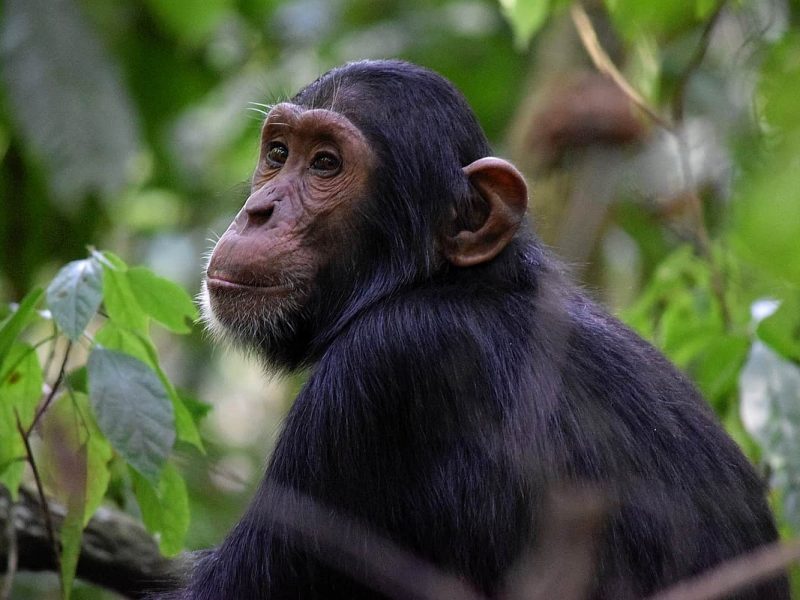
(503, 190)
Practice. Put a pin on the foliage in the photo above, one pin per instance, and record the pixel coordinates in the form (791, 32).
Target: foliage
(123, 124)
(703, 304)
(114, 407)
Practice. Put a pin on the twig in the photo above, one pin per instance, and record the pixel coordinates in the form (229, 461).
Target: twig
(48, 519)
(53, 390)
(52, 353)
(694, 62)
(606, 66)
(13, 555)
(735, 574)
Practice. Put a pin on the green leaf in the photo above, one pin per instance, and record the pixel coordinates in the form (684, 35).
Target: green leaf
(770, 387)
(120, 301)
(165, 508)
(13, 325)
(635, 17)
(165, 301)
(526, 18)
(20, 392)
(717, 368)
(140, 346)
(704, 8)
(133, 409)
(72, 526)
(67, 97)
(74, 296)
(175, 508)
(781, 330)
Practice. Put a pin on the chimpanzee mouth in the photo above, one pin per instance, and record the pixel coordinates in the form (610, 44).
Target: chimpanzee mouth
(221, 282)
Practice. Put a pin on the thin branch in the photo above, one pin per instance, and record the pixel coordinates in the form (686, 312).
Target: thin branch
(694, 62)
(53, 390)
(731, 576)
(606, 66)
(52, 353)
(48, 518)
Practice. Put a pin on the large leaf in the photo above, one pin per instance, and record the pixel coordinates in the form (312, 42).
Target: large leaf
(140, 346)
(133, 409)
(20, 391)
(165, 301)
(74, 446)
(75, 295)
(770, 410)
(67, 96)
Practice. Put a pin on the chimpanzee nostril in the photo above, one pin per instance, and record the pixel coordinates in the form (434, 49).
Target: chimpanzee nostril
(259, 213)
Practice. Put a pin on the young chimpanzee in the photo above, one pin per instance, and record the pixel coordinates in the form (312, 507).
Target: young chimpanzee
(455, 378)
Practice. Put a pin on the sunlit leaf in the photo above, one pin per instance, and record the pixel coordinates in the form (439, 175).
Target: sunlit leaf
(68, 97)
(120, 301)
(14, 324)
(20, 392)
(133, 409)
(74, 296)
(165, 301)
(165, 508)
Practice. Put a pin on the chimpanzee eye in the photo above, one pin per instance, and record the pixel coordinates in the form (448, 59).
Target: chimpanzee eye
(326, 163)
(277, 154)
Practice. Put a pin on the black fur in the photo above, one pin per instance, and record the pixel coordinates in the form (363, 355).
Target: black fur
(444, 403)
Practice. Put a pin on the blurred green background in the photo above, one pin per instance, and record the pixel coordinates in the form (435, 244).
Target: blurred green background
(132, 125)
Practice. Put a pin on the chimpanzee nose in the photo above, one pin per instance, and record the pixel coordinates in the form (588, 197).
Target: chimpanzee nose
(260, 206)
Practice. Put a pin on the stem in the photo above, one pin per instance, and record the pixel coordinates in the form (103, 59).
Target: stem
(606, 66)
(57, 384)
(694, 62)
(48, 518)
(52, 353)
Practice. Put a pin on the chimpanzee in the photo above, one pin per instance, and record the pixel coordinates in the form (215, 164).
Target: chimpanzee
(456, 378)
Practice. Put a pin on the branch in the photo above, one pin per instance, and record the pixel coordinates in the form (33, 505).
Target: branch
(606, 66)
(694, 62)
(735, 574)
(48, 519)
(116, 552)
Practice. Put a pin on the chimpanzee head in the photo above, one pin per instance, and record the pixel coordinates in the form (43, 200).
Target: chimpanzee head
(374, 177)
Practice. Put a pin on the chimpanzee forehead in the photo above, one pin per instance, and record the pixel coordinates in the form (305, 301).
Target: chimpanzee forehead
(310, 120)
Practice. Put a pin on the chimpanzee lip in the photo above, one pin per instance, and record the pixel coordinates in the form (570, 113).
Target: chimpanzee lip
(224, 282)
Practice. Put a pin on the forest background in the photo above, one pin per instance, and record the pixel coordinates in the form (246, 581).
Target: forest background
(661, 141)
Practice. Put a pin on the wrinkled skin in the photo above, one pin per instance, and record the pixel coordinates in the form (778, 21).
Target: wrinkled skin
(312, 172)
